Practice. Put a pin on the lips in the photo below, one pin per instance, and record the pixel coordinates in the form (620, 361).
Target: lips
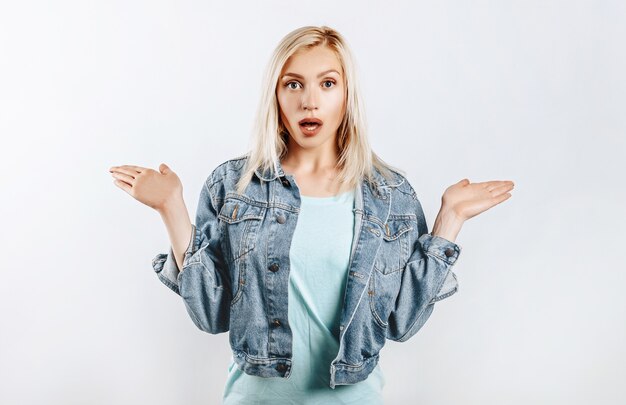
(310, 121)
(310, 126)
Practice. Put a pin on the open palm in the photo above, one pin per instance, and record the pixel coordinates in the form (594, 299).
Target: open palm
(150, 187)
(467, 199)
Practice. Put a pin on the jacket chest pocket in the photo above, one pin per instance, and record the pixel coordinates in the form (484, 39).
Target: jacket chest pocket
(394, 248)
(241, 222)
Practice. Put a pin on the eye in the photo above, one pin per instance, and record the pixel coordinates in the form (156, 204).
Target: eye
(288, 85)
(329, 81)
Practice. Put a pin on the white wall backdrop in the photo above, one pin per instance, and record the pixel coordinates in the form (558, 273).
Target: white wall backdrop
(529, 91)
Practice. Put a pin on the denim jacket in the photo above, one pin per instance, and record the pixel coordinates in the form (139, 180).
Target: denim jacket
(236, 270)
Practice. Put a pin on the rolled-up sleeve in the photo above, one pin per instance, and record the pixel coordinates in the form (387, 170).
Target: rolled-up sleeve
(427, 278)
(204, 283)
(164, 264)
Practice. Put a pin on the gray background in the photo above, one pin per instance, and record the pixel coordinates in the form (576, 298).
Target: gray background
(529, 91)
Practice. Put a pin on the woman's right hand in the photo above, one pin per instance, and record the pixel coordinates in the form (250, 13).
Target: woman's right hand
(156, 189)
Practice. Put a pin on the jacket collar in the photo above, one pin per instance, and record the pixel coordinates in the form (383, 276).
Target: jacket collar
(269, 174)
(378, 183)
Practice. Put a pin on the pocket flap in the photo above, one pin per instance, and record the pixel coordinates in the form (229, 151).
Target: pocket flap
(394, 228)
(236, 210)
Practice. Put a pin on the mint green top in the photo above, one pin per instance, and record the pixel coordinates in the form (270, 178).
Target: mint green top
(319, 256)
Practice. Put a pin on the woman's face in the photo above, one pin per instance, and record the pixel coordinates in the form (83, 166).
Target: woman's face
(311, 85)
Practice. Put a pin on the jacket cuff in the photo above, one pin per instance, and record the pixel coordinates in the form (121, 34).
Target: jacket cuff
(440, 247)
(165, 265)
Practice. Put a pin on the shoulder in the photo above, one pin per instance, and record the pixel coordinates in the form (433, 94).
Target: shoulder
(403, 195)
(406, 188)
(397, 183)
(223, 180)
(406, 204)
(229, 168)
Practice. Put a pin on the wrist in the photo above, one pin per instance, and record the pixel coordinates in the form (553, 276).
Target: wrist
(172, 206)
(447, 225)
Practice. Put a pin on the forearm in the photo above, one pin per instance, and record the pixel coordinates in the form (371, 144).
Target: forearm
(179, 228)
(447, 225)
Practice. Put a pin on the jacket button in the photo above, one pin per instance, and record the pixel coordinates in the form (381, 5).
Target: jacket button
(449, 252)
(285, 182)
(281, 367)
(274, 267)
(281, 219)
(276, 323)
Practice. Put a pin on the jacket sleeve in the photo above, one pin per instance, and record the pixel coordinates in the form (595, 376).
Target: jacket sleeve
(427, 278)
(204, 283)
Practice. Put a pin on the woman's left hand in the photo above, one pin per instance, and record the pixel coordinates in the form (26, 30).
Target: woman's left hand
(467, 200)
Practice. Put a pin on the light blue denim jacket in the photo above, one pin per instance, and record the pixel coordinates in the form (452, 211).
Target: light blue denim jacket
(236, 270)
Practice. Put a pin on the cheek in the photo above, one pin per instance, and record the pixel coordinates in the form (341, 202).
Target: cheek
(284, 103)
(280, 100)
(337, 102)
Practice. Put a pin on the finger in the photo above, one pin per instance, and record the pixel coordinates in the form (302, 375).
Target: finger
(498, 191)
(138, 169)
(491, 185)
(483, 184)
(501, 198)
(124, 177)
(126, 171)
(123, 186)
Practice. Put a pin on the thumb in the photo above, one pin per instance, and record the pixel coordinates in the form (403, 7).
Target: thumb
(164, 169)
(464, 182)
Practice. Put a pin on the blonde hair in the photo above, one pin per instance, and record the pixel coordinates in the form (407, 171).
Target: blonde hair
(269, 136)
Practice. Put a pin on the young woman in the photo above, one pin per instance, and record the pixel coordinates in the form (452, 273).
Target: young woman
(309, 249)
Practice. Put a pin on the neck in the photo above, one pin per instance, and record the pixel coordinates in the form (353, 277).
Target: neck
(310, 161)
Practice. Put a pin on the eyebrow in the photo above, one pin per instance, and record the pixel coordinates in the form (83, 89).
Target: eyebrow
(320, 75)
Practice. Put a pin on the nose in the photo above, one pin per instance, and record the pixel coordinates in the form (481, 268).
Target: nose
(309, 100)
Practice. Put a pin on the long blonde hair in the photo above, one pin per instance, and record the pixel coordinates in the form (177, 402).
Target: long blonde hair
(269, 136)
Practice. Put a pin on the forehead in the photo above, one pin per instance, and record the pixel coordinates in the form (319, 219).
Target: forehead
(312, 60)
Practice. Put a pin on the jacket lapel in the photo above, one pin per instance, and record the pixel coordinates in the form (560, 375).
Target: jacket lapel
(372, 204)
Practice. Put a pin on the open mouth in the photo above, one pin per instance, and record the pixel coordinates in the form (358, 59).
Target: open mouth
(310, 124)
